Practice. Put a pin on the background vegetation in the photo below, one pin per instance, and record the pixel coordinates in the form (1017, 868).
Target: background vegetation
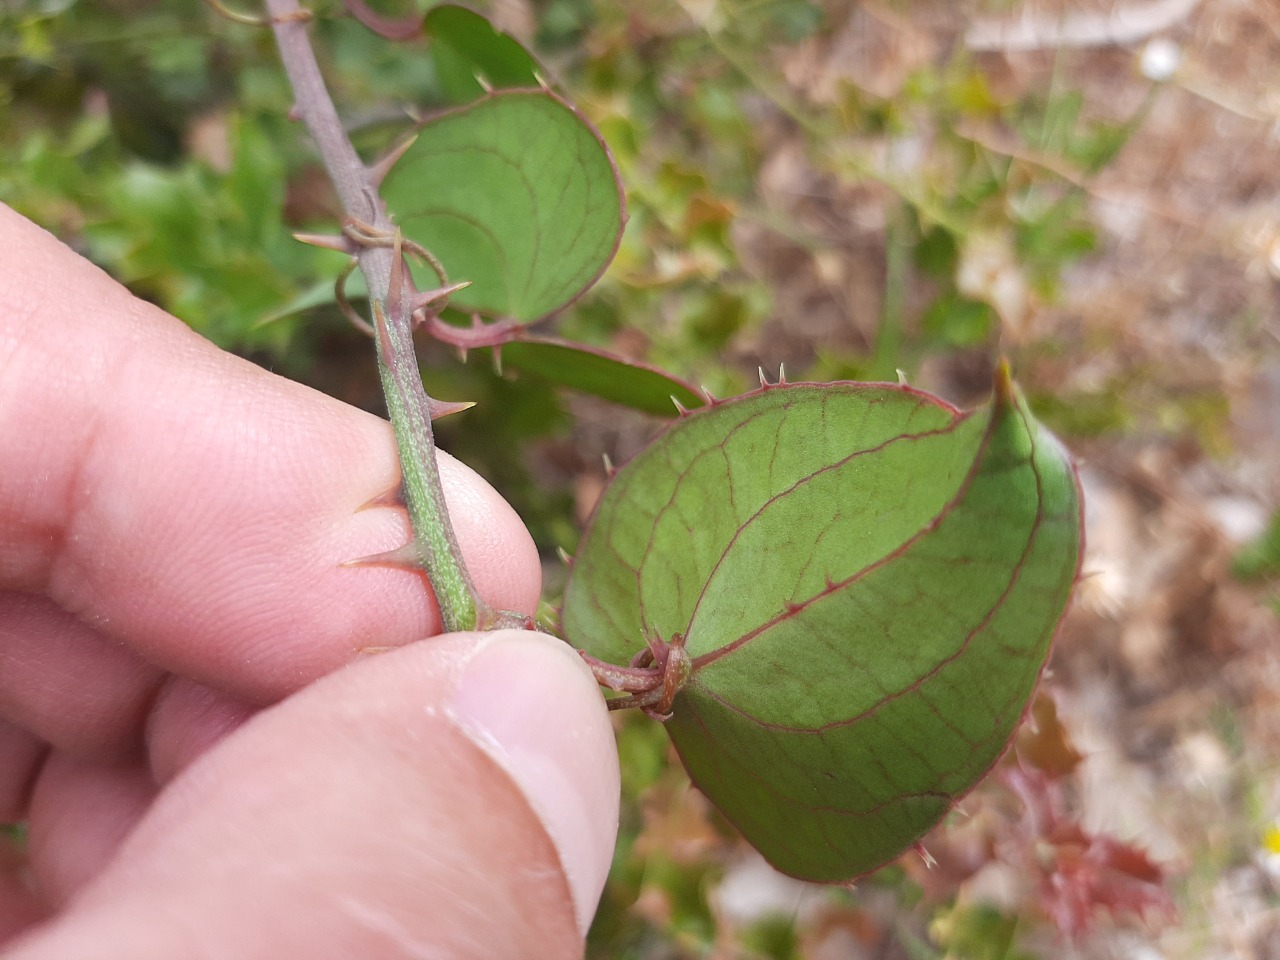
(851, 189)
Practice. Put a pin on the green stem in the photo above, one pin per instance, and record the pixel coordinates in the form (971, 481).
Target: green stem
(407, 404)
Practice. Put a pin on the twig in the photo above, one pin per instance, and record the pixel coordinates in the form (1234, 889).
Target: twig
(1030, 31)
(435, 545)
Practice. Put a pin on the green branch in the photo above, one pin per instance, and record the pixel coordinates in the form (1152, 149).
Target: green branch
(435, 546)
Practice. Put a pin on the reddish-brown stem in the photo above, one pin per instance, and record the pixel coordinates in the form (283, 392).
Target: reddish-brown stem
(652, 688)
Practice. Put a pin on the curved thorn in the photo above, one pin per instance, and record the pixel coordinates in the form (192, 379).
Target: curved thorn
(711, 400)
(407, 558)
(925, 855)
(443, 408)
(485, 85)
(680, 407)
(392, 498)
(379, 169)
(496, 354)
(542, 81)
(763, 381)
(563, 554)
(609, 470)
(902, 377)
(327, 242)
(782, 374)
(425, 298)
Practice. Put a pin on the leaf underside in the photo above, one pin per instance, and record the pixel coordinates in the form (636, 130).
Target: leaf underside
(869, 583)
(586, 369)
(516, 193)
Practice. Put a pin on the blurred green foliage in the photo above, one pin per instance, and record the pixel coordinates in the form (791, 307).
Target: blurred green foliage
(153, 136)
(1261, 558)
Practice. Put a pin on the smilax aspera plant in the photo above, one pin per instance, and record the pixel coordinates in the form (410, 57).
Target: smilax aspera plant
(837, 597)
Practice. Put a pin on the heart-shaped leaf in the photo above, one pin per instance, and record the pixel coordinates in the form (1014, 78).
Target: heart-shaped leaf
(516, 193)
(867, 581)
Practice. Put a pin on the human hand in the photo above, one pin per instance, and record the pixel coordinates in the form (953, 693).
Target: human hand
(207, 763)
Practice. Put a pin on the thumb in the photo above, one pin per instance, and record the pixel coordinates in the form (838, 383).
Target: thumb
(457, 798)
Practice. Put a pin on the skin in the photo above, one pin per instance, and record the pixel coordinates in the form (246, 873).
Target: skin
(224, 741)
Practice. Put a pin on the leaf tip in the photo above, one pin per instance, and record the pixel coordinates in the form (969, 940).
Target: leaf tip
(1003, 390)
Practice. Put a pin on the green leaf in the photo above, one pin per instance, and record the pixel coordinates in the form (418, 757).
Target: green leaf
(465, 46)
(868, 582)
(588, 370)
(516, 193)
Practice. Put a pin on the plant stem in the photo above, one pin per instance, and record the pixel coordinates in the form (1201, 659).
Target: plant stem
(435, 544)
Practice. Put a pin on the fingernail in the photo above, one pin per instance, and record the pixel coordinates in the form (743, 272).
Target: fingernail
(528, 701)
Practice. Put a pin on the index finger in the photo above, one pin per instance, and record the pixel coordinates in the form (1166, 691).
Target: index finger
(196, 507)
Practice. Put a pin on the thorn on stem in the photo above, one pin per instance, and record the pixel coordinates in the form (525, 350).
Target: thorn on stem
(443, 408)
(422, 299)
(391, 498)
(485, 85)
(406, 557)
(609, 470)
(563, 554)
(925, 855)
(680, 407)
(327, 242)
(379, 169)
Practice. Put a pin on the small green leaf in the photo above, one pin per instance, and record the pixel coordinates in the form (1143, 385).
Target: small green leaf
(465, 46)
(588, 370)
(516, 193)
(868, 582)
